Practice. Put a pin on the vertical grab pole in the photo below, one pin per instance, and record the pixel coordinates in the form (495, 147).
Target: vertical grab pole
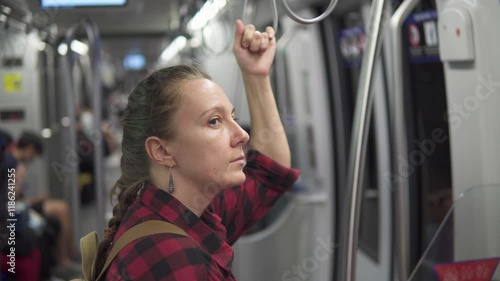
(92, 33)
(71, 176)
(399, 134)
(362, 116)
(95, 62)
(51, 88)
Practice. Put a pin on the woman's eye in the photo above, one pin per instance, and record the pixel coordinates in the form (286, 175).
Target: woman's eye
(214, 121)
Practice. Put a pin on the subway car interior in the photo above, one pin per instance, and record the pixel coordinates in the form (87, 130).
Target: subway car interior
(389, 109)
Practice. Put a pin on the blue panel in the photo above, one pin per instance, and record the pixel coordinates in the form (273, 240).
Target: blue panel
(422, 38)
(81, 3)
(134, 62)
(352, 45)
(421, 17)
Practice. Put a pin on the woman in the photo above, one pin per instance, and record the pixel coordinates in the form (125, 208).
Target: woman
(183, 163)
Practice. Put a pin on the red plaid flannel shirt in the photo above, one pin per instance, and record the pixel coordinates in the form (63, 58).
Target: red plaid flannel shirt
(206, 254)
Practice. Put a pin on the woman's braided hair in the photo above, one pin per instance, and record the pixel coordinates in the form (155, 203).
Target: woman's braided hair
(150, 111)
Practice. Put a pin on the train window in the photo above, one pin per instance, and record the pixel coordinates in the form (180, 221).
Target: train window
(427, 104)
(311, 147)
(287, 106)
(305, 83)
(369, 221)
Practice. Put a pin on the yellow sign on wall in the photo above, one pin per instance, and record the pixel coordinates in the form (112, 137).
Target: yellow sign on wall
(12, 83)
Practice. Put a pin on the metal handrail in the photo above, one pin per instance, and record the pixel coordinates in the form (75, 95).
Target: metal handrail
(296, 18)
(361, 124)
(92, 33)
(399, 134)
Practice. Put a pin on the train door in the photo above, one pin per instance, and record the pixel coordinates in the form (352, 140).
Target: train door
(294, 241)
(347, 34)
(454, 124)
(428, 166)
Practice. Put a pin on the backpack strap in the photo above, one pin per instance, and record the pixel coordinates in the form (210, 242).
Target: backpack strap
(143, 229)
(88, 244)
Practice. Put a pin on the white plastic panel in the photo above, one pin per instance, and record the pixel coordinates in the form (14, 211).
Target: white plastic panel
(456, 35)
(473, 100)
(26, 97)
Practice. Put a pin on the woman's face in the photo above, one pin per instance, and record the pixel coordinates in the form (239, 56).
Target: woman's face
(208, 147)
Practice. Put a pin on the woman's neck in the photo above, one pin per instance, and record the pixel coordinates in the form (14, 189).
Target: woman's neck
(188, 193)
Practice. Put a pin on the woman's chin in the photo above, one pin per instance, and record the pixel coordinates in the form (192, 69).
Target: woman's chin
(237, 179)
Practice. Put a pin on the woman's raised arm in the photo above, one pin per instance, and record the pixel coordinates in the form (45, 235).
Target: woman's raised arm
(255, 52)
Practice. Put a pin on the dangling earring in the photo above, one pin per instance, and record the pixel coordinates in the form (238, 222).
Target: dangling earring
(140, 190)
(171, 182)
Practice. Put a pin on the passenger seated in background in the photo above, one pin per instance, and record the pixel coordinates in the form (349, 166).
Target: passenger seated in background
(5, 142)
(27, 248)
(183, 162)
(54, 212)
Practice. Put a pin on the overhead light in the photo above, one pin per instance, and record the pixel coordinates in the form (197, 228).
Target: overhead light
(174, 48)
(62, 49)
(46, 133)
(79, 47)
(6, 10)
(76, 46)
(41, 46)
(65, 121)
(207, 12)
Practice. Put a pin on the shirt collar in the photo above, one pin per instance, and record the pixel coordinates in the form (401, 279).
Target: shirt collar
(207, 230)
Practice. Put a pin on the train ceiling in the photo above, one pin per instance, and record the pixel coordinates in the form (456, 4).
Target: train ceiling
(144, 26)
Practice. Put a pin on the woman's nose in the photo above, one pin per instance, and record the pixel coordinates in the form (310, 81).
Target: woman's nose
(241, 136)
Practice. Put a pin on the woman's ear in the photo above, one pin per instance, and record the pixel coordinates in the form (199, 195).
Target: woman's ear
(158, 151)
